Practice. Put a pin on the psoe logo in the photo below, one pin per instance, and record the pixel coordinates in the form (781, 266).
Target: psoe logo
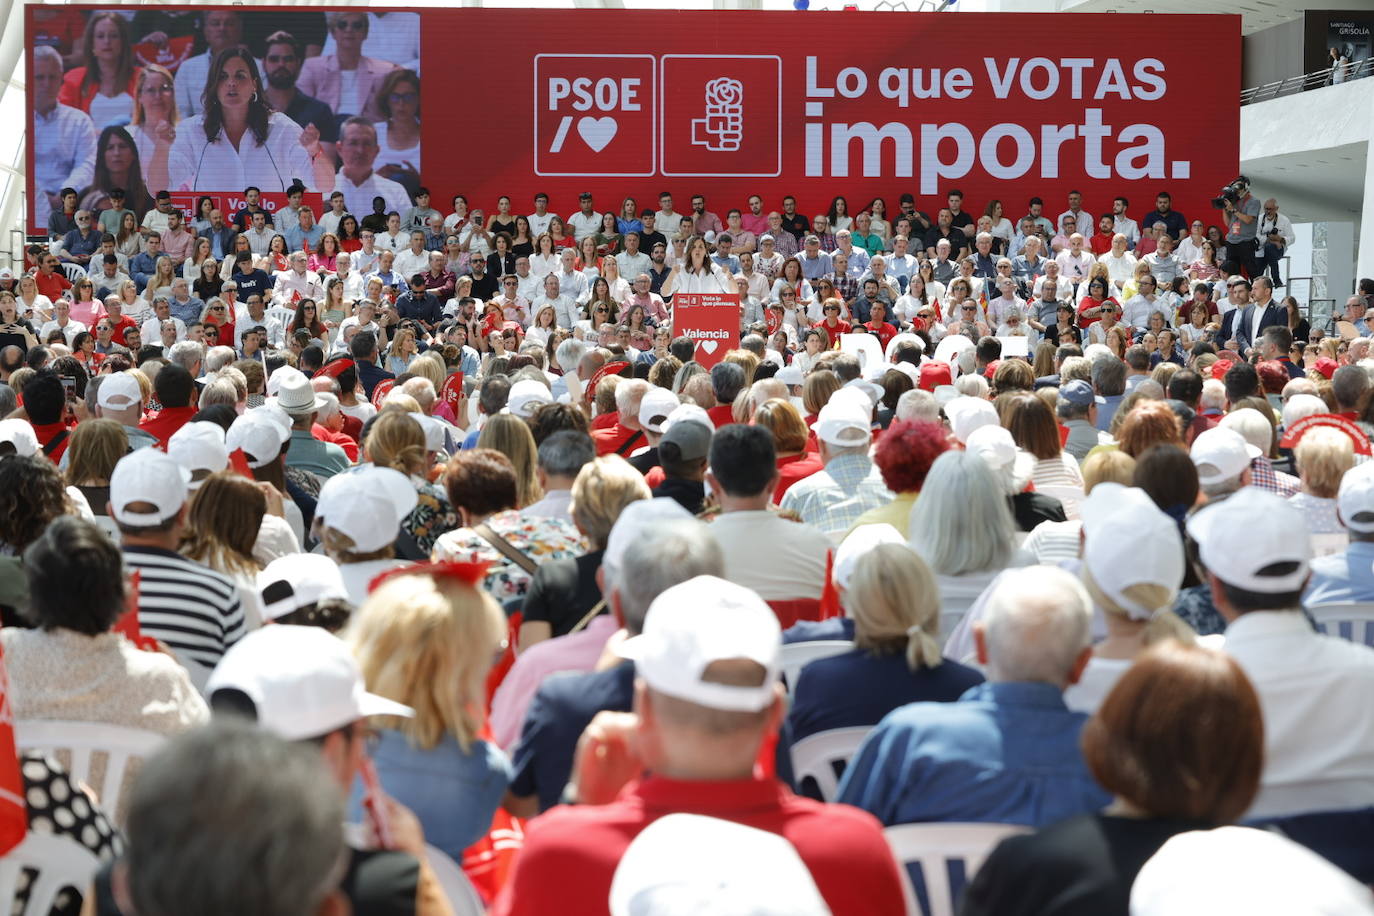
(720, 115)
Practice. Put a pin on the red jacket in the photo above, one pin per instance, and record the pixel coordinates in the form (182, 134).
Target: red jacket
(324, 434)
(167, 421)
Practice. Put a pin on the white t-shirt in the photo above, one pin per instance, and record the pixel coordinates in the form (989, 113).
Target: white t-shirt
(584, 224)
(776, 558)
(1097, 681)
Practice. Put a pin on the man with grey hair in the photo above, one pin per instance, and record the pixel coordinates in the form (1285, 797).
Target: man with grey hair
(232, 778)
(63, 138)
(189, 355)
(216, 358)
(1007, 751)
(918, 404)
(569, 355)
(1258, 431)
(219, 391)
(561, 456)
(653, 546)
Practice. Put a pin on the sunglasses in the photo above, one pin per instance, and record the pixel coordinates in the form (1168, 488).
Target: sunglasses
(347, 25)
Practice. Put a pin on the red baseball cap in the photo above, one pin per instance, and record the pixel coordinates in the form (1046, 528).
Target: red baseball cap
(1326, 366)
(1220, 368)
(992, 369)
(935, 374)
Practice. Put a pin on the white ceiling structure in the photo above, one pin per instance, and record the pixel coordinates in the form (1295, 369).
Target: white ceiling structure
(1255, 14)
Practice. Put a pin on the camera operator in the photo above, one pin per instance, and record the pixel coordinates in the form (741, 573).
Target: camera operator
(1242, 212)
(1275, 235)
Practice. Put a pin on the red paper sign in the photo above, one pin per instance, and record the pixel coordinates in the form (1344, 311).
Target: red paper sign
(380, 392)
(709, 319)
(14, 816)
(1352, 429)
(453, 390)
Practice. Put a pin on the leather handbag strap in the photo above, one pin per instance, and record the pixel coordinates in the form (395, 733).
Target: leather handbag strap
(506, 548)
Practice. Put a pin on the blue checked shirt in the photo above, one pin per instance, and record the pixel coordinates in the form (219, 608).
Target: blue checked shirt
(832, 499)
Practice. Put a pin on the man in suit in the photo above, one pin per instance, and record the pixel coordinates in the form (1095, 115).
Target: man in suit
(220, 234)
(1242, 326)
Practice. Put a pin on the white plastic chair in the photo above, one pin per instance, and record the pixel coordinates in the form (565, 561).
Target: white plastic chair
(796, 655)
(60, 862)
(74, 272)
(934, 847)
(1354, 622)
(87, 742)
(462, 896)
(1071, 497)
(816, 756)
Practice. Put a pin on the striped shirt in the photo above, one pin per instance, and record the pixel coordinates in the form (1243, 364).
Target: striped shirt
(190, 607)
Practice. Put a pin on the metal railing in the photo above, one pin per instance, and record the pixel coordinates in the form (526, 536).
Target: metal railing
(1315, 80)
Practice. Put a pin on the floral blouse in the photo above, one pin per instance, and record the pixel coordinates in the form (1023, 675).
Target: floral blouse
(430, 518)
(541, 539)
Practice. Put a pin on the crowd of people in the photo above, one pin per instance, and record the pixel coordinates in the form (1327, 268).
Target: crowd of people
(444, 505)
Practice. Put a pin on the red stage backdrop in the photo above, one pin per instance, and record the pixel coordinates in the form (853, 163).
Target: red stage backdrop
(732, 103)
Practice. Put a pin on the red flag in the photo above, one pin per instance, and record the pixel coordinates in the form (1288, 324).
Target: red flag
(830, 595)
(127, 624)
(14, 816)
(239, 462)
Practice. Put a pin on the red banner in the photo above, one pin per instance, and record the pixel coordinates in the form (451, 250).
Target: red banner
(710, 319)
(889, 103)
(231, 202)
(727, 103)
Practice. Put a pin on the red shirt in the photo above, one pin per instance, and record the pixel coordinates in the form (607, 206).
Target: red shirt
(1101, 242)
(614, 439)
(832, 333)
(124, 323)
(793, 468)
(49, 431)
(722, 415)
(884, 331)
(167, 421)
(52, 285)
(571, 852)
(1088, 302)
(324, 434)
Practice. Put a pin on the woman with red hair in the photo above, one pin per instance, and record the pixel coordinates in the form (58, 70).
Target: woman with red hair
(904, 455)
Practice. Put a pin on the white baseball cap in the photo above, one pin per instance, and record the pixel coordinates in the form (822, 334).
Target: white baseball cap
(147, 475)
(526, 396)
(732, 869)
(859, 542)
(367, 505)
(790, 375)
(1244, 870)
(259, 435)
(1129, 541)
(689, 413)
(967, 414)
(846, 420)
(198, 446)
(303, 681)
(639, 520)
(435, 435)
(994, 445)
(299, 580)
(700, 621)
(1248, 531)
(119, 391)
(1220, 454)
(655, 407)
(1355, 499)
(19, 434)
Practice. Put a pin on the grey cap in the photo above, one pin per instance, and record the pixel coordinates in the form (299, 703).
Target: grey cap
(1077, 392)
(692, 440)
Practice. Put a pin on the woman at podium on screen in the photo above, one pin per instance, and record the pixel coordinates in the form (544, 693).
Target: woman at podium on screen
(697, 273)
(238, 141)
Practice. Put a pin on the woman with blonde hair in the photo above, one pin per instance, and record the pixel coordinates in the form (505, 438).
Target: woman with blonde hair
(892, 597)
(1322, 455)
(402, 351)
(426, 637)
(564, 596)
(396, 440)
(93, 450)
(511, 436)
(820, 384)
(222, 524)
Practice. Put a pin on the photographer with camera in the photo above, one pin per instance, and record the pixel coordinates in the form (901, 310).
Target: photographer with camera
(1242, 211)
(1275, 235)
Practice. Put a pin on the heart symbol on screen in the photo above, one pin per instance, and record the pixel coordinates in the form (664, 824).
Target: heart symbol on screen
(597, 132)
(709, 345)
